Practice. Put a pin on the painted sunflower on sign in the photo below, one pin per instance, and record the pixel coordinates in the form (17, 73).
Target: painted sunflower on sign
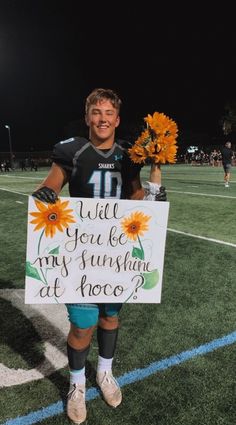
(157, 141)
(52, 217)
(134, 226)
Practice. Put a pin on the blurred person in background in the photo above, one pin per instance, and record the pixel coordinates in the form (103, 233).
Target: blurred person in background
(227, 156)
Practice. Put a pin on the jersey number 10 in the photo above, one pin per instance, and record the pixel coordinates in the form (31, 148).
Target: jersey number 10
(106, 184)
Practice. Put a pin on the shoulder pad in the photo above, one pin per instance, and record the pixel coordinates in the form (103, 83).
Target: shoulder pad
(67, 141)
(73, 139)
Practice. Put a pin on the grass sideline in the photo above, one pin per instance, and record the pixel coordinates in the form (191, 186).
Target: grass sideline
(198, 306)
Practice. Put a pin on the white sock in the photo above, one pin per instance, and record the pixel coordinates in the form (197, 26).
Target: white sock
(77, 376)
(104, 364)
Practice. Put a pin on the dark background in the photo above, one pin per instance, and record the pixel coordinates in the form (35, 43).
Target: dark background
(176, 60)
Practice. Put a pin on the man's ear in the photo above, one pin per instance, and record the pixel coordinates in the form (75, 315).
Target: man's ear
(117, 121)
(86, 120)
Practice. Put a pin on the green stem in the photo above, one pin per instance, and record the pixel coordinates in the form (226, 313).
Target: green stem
(44, 277)
(40, 239)
(141, 247)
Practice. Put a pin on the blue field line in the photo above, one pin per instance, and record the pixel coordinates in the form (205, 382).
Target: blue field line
(128, 378)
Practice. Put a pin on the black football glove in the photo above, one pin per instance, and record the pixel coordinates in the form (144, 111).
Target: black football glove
(161, 195)
(45, 194)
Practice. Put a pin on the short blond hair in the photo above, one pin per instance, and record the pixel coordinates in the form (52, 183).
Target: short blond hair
(97, 95)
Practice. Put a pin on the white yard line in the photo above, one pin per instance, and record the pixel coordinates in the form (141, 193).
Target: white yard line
(178, 177)
(21, 177)
(13, 191)
(202, 237)
(202, 194)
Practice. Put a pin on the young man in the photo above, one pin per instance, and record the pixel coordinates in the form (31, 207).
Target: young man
(95, 168)
(227, 156)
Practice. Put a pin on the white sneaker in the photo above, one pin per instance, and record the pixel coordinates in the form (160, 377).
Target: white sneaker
(110, 388)
(226, 184)
(76, 407)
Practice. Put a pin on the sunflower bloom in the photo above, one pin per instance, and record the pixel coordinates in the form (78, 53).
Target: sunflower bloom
(157, 141)
(52, 217)
(135, 225)
(153, 148)
(138, 154)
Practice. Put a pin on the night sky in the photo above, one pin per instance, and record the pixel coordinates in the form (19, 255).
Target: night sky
(53, 53)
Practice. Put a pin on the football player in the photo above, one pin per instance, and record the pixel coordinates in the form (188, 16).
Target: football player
(97, 167)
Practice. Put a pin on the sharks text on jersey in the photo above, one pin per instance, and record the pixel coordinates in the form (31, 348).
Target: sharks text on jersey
(106, 166)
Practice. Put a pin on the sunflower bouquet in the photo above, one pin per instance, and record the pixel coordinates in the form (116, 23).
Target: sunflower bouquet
(157, 143)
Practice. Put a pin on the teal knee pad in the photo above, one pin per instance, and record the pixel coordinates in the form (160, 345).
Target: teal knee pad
(109, 309)
(83, 315)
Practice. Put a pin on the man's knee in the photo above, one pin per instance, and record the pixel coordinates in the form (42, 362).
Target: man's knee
(80, 338)
(81, 333)
(109, 322)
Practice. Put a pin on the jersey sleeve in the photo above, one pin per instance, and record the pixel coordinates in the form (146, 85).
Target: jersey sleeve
(61, 156)
(64, 152)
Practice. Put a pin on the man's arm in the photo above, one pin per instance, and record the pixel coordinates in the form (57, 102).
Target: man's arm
(154, 191)
(155, 174)
(151, 190)
(136, 189)
(51, 186)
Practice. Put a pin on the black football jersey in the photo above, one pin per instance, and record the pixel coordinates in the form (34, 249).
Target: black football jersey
(93, 172)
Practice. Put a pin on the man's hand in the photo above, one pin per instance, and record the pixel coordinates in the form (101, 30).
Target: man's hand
(45, 194)
(154, 192)
(161, 196)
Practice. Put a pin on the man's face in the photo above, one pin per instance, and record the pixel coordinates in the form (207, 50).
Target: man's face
(102, 119)
(228, 145)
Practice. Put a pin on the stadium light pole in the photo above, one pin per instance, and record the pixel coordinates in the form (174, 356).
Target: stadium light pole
(10, 144)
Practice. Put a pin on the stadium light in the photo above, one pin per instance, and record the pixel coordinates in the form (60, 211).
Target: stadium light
(10, 144)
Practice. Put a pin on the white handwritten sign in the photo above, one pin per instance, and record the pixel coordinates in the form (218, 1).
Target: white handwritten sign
(82, 250)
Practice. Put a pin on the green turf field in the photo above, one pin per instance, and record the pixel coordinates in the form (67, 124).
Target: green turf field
(175, 360)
